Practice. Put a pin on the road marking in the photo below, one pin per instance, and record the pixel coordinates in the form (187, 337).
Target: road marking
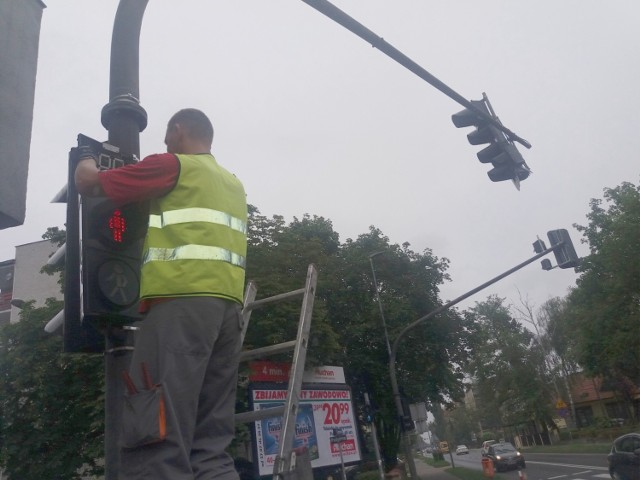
(570, 465)
(559, 476)
(580, 473)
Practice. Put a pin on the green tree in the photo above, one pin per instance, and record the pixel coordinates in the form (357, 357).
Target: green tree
(508, 368)
(603, 311)
(51, 404)
(429, 358)
(347, 329)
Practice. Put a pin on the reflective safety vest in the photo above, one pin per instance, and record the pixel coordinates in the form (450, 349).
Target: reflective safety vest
(196, 244)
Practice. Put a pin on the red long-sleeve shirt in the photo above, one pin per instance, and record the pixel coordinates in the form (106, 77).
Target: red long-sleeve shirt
(153, 177)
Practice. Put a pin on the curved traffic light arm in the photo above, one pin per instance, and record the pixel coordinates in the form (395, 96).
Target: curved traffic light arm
(340, 17)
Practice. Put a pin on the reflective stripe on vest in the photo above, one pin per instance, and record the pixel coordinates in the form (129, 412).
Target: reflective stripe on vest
(194, 252)
(208, 215)
(197, 238)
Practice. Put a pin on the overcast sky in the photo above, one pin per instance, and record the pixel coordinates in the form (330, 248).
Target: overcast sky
(314, 120)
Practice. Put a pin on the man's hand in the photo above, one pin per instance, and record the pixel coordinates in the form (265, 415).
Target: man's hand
(86, 152)
(86, 177)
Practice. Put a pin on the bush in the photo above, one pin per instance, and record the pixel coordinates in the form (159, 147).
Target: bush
(368, 475)
(488, 436)
(565, 435)
(438, 456)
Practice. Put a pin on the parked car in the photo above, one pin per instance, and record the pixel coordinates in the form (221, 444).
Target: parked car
(485, 446)
(462, 449)
(624, 458)
(505, 456)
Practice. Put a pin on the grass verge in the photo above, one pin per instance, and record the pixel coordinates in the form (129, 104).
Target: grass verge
(435, 463)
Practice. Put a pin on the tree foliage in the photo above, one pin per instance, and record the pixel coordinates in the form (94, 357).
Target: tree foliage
(508, 368)
(604, 308)
(347, 327)
(597, 326)
(51, 404)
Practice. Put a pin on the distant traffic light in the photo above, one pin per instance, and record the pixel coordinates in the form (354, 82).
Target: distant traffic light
(104, 245)
(563, 248)
(501, 152)
(368, 414)
(407, 421)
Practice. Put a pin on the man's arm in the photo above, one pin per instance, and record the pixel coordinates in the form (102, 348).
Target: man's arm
(153, 177)
(86, 178)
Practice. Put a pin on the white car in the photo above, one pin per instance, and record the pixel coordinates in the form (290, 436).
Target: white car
(461, 450)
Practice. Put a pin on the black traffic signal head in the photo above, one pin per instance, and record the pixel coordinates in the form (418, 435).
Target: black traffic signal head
(473, 117)
(111, 250)
(112, 238)
(563, 248)
(501, 152)
(104, 246)
(539, 246)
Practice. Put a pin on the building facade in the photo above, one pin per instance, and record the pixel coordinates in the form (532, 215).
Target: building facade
(21, 280)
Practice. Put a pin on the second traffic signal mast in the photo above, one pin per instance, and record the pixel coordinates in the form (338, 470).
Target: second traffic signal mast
(501, 152)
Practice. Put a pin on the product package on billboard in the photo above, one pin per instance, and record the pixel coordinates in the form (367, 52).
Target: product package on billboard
(322, 412)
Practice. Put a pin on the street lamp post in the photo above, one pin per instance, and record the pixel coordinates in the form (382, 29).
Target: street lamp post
(375, 285)
(374, 434)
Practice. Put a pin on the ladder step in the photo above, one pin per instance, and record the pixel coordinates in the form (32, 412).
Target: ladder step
(266, 351)
(275, 298)
(254, 416)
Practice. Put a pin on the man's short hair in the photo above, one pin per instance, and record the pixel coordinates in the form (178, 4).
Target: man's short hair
(195, 122)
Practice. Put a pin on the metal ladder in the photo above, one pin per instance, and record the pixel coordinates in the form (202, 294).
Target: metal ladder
(285, 463)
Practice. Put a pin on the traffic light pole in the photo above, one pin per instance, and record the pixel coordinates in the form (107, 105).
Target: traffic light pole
(124, 119)
(433, 313)
(340, 17)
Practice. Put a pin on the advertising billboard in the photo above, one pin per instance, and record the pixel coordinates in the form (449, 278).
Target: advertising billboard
(325, 410)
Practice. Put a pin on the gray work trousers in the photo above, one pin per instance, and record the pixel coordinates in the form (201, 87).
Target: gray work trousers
(191, 346)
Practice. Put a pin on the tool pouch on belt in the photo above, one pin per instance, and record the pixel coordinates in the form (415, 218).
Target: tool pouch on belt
(144, 419)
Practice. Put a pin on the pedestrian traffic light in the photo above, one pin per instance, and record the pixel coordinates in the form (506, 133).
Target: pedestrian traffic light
(407, 421)
(103, 251)
(563, 248)
(112, 239)
(501, 152)
(368, 414)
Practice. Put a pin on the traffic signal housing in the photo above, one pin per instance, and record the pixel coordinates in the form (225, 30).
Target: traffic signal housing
(406, 420)
(563, 248)
(104, 246)
(508, 163)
